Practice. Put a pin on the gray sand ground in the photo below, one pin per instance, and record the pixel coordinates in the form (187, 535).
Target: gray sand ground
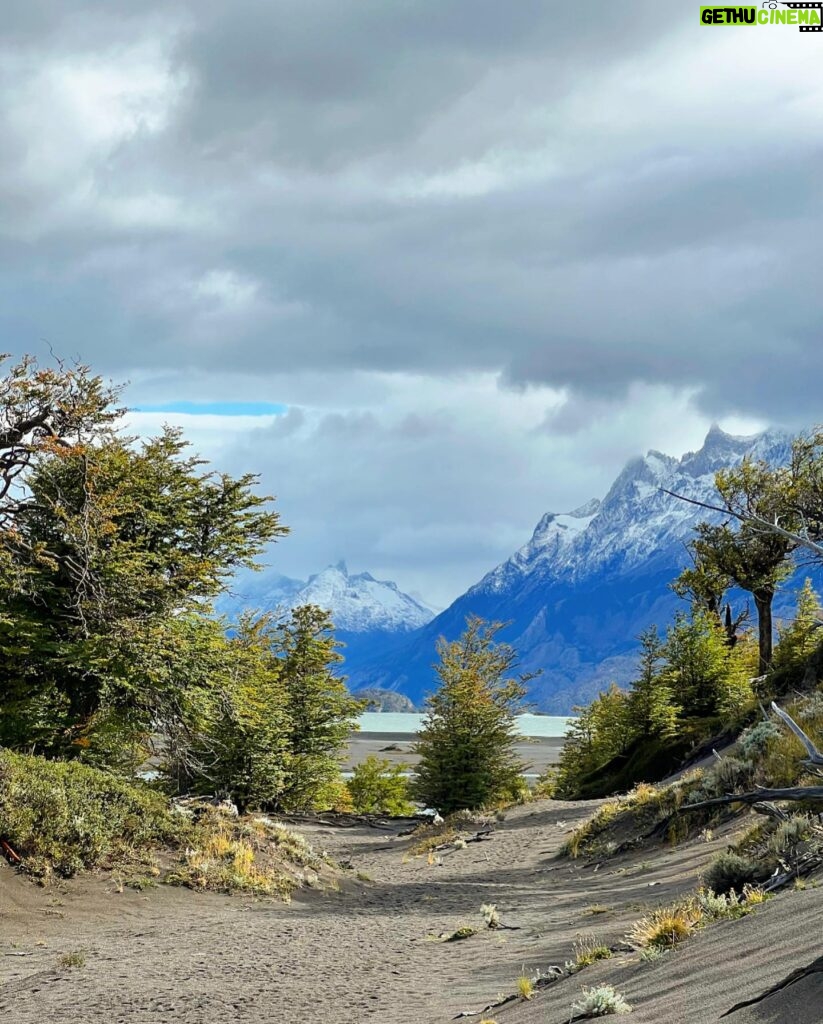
(367, 953)
(537, 753)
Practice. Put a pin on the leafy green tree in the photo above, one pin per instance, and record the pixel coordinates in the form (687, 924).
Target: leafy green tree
(705, 675)
(112, 548)
(798, 640)
(652, 709)
(467, 742)
(754, 559)
(233, 740)
(379, 787)
(601, 731)
(322, 712)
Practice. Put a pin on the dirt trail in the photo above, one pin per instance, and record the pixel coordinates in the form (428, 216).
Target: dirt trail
(365, 953)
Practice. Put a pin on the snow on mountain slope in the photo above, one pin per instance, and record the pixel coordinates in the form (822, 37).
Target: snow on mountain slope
(358, 603)
(577, 595)
(636, 522)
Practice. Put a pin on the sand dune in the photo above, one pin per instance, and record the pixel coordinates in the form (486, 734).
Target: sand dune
(369, 952)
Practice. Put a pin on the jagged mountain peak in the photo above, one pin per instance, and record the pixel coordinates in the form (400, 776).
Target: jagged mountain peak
(637, 519)
(587, 583)
(358, 603)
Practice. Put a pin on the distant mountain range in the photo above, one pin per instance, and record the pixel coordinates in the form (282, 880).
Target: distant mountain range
(370, 615)
(576, 595)
(588, 582)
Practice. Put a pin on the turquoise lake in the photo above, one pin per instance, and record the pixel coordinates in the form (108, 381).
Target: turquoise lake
(537, 726)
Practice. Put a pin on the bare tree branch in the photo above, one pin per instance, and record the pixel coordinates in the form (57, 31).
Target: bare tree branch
(750, 519)
(761, 795)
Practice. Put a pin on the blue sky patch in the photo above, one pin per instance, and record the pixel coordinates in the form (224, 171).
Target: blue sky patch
(217, 408)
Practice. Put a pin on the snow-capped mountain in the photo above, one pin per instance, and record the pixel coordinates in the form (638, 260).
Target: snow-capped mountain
(358, 603)
(637, 524)
(588, 582)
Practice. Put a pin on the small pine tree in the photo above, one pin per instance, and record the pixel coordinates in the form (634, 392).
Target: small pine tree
(698, 662)
(466, 745)
(245, 752)
(652, 709)
(601, 731)
(799, 639)
(322, 712)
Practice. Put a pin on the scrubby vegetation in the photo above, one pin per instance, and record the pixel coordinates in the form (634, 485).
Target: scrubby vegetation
(667, 926)
(451, 832)
(60, 818)
(379, 787)
(587, 951)
(65, 817)
(600, 1001)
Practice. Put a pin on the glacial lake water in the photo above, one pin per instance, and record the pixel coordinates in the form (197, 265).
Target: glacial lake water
(405, 723)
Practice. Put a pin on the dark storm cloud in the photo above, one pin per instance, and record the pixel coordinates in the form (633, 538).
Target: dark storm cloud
(305, 201)
(302, 195)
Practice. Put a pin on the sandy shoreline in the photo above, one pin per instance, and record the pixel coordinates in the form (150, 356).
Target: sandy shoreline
(538, 753)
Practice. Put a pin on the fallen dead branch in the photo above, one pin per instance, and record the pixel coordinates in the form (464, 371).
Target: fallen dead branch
(759, 796)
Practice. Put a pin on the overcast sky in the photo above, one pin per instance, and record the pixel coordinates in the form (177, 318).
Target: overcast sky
(469, 256)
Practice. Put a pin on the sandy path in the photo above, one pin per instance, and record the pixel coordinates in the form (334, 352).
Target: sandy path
(362, 954)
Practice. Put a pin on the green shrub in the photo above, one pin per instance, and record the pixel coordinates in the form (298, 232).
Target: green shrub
(380, 787)
(727, 871)
(66, 816)
(754, 742)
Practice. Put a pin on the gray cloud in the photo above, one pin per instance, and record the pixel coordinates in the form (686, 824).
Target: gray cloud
(307, 202)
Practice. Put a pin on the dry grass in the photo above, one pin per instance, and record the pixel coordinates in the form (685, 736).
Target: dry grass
(448, 832)
(525, 987)
(256, 857)
(588, 950)
(76, 958)
(666, 926)
(637, 811)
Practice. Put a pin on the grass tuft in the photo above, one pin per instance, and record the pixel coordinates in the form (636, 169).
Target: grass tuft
(525, 987)
(76, 958)
(666, 926)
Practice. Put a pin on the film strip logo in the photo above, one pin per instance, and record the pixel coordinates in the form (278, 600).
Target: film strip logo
(801, 7)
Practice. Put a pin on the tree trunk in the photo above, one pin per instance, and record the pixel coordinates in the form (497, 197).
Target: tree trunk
(763, 603)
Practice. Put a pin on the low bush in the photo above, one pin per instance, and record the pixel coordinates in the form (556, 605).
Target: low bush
(729, 871)
(64, 817)
(223, 863)
(380, 787)
(637, 812)
(600, 1001)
